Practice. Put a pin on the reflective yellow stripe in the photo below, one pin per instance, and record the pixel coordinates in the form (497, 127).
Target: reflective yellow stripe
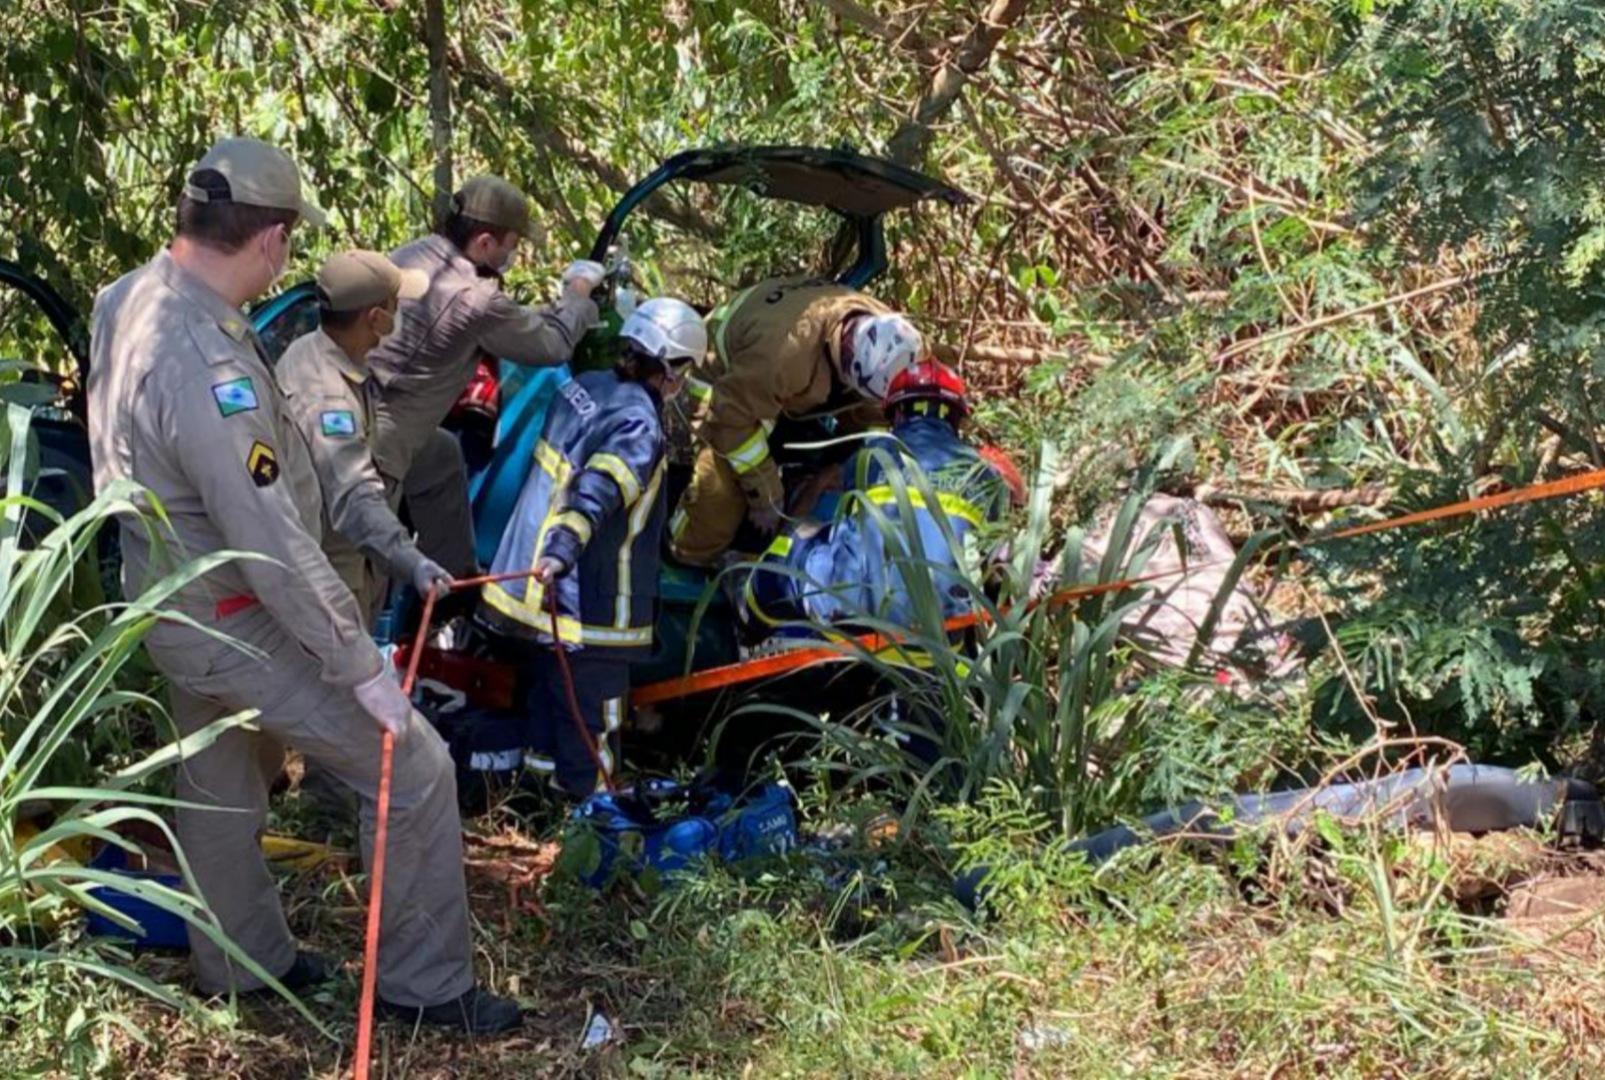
(621, 604)
(677, 523)
(575, 521)
(547, 456)
(780, 547)
(952, 505)
(750, 454)
(614, 467)
(724, 315)
(570, 630)
(699, 390)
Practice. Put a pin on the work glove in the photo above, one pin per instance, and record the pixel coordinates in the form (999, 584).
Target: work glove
(581, 278)
(429, 576)
(383, 700)
(549, 568)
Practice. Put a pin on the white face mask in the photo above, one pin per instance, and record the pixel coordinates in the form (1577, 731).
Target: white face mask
(276, 273)
(397, 321)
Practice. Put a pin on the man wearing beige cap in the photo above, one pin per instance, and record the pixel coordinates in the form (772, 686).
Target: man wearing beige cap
(332, 398)
(424, 366)
(182, 404)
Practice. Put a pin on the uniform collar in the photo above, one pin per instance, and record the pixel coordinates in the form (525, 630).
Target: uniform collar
(355, 372)
(229, 318)
(447, 253)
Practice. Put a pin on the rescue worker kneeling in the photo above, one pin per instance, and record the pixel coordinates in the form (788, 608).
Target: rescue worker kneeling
(784, 348)
(850, 569)
(589, 522)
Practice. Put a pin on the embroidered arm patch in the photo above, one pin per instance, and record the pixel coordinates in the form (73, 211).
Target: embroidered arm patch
(339, 423)
(262, 463)
(234, 396)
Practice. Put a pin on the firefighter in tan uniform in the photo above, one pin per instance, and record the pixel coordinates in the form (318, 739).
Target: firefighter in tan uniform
(426, 363)
(788, 346)
(332, 398)
(182, 403)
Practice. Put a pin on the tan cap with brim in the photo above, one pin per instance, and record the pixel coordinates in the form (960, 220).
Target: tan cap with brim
(258, 175)
(354, 280)
(496, 202)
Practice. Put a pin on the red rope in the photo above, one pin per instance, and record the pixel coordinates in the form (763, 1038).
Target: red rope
(370, 952)
(376, 878)
(574, 713)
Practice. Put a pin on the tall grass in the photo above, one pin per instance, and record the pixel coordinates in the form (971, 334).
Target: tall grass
(1042, 696)
(62, 673)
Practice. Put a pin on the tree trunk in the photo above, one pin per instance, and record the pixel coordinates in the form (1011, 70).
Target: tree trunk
(439, 104)
(913, 138)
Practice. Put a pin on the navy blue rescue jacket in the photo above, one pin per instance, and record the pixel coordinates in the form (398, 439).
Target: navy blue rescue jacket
(849, 569)
(594, 500)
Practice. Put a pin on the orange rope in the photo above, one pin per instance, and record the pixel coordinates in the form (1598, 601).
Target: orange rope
(745, 671)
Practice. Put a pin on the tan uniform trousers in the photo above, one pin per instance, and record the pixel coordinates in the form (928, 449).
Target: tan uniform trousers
(436, 491)
(710, 512)
(425, 954)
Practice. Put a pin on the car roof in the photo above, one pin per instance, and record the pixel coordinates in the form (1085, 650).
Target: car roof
(839, 179)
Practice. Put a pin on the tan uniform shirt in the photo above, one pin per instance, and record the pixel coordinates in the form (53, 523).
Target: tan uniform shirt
(427, 362)
(775, 351)
(182, 402)
(332, 400)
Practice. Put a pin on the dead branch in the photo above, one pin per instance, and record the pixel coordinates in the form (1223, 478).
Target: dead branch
(1342, 316)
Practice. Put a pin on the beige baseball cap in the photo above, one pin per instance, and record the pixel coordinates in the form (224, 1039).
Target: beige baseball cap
(258, 174)
(496, 202)
(354, 280)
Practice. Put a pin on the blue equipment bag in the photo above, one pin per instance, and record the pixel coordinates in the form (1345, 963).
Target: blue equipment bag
(159, 929)
(666, 827)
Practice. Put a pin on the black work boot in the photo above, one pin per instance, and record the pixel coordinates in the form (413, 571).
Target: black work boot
(307, 970)
(477, 1012)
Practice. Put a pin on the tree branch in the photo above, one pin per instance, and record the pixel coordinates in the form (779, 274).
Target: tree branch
(439, 104)
(912, 139)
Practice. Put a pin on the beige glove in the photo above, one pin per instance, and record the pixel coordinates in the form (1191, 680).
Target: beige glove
(383, 700)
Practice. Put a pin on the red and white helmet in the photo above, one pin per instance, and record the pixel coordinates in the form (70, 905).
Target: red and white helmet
(929, 380)
(882, 346)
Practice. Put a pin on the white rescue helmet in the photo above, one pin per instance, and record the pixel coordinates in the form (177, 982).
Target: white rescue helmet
(882, 346)
(668, 329)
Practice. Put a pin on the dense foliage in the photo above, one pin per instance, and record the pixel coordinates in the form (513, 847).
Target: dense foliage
(1305, 260)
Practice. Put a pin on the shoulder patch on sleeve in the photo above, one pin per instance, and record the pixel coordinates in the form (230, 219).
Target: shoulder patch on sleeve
(338, 423)
(235, 395)
(262, 463)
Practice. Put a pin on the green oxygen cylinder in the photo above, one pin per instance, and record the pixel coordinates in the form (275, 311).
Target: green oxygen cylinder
(599, 348)
(616, 299)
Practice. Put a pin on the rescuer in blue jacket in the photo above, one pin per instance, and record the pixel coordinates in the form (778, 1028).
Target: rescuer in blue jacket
(852, 567)
(589, 522)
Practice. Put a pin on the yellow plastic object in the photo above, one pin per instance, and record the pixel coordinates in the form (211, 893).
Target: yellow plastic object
(289, 853)
(49, 914)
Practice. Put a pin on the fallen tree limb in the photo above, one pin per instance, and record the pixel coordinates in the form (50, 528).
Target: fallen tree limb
(1010, 354)
(1302, 500)
(1341, 316)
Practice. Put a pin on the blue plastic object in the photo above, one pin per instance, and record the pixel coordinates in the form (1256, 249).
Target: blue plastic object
(762, 823)
(161, 929)
(715, 823)
(526, 394)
